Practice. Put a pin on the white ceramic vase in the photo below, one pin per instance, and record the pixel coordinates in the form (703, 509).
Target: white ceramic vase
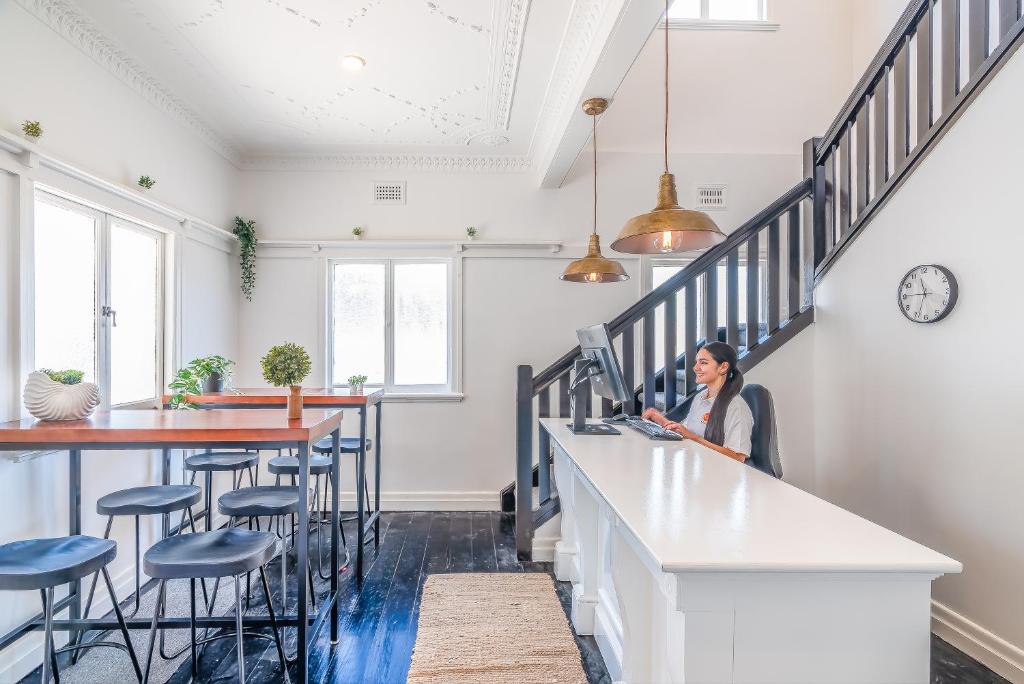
(48, 399)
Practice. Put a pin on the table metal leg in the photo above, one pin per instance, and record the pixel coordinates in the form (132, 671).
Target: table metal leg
(335, 495)
(301, 561)
(74, 528)
(360, 496)
(376, 475)
(165, 479)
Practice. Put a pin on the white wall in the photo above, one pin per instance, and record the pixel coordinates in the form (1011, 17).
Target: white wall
(746, 92)
(93, 121)
(515, 309)
(916, 427)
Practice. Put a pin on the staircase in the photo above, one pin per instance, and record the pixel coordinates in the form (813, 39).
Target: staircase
(868, 152)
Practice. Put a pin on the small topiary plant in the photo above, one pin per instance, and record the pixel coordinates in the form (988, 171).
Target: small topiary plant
(64, 377)
(146, 182)
(285, 364)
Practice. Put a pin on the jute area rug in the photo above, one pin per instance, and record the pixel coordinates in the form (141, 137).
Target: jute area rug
(495, 628)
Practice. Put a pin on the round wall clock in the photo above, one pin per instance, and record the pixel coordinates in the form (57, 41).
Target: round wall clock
(927, 293)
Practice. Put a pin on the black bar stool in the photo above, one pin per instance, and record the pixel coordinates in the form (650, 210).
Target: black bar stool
(210, 462)
(271, 502)
(45, 563)
(221, 553)
(347, 445)
(318, 465)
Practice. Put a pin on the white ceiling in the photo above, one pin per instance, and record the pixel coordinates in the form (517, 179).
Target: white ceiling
(442, 76)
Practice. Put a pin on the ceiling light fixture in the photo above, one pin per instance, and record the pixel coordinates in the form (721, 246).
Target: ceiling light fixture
(353, 62)
(668, 227)
(594, 268)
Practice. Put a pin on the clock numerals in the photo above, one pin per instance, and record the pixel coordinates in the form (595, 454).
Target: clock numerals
(927, 293)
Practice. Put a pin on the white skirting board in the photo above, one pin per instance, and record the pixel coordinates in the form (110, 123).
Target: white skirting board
(428, 501)
(992, 651)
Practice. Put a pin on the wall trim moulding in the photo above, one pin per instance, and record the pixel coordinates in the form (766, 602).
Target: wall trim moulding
(991, 650)
(66, 20)
(388, 160)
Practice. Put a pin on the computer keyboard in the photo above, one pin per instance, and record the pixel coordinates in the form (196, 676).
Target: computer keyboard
(652, 430)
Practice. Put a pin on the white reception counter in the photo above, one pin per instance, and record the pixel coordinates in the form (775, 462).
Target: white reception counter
(690, 567)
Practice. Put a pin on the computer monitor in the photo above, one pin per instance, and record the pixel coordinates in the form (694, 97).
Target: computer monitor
(605, 373)
(597, 371)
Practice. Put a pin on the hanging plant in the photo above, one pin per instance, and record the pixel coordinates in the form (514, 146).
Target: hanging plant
(245, 231)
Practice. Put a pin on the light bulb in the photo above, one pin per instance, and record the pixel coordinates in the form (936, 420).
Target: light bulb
(666, 241)
(593, 277)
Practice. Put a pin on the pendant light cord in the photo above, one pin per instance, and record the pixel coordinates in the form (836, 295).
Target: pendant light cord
(666, 86)
(593, 118)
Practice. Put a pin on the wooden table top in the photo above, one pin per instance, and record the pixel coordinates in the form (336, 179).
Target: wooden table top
(278, 396)
(153, 426)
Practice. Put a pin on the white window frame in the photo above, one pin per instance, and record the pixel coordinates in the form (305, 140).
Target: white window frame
(104, 221)
(706, 23)
(452, 390)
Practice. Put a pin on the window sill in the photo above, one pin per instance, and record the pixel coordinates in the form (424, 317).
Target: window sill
(721, 25)
(436, 397)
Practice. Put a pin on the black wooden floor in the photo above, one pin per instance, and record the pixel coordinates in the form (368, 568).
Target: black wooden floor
(378, 619)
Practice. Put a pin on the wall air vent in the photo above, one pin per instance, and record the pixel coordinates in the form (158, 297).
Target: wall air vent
(711, 197)
(389, 192)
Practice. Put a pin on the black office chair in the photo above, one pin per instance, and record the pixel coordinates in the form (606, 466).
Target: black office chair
(764, 447)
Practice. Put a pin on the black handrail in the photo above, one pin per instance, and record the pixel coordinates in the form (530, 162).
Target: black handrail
(677, 282)
(905, 26)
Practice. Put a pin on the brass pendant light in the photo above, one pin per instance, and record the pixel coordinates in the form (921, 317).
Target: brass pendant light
(594, 268)
(668, 228)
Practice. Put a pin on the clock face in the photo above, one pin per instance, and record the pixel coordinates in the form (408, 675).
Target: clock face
(927, 294)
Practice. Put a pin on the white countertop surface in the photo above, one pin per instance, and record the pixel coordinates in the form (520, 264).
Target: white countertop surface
(694, 510)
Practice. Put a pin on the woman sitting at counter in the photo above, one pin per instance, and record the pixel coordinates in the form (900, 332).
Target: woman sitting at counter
(717, 418)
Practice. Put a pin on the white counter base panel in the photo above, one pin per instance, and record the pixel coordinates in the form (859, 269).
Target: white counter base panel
(709, 625)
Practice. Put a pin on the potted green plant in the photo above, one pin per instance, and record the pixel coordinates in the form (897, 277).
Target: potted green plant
(214, 370)
(32, 129)
(146, 182)
(472, 232)
(201, 376)
(60, 395)
(245, 231)
(287, 365)
(355, 384)
(357, 233)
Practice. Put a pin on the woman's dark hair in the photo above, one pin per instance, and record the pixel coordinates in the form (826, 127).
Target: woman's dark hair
(722, 353)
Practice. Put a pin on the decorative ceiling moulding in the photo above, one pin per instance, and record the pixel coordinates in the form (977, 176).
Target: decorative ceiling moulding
(580, 31)
(413, 162)
(67, 21)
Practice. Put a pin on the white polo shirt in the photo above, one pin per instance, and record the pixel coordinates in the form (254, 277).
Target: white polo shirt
(739, 421)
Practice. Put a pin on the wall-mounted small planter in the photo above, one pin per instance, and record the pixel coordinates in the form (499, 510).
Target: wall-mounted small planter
(146, 182)
(357, 233)
(31, 130)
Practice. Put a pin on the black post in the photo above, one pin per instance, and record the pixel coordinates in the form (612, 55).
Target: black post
(301, 563)
(544, 464)
(335, 504)
(524, 462)
(376, 477)
(74, 528)
(814, 229)
(361, 502)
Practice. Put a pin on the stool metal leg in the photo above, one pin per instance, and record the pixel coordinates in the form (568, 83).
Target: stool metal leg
(92, 591)
(48, 634)
(152, 629)
(273, 624)
(238, 628)
(121, 623)
(192, 626)
(53, 651)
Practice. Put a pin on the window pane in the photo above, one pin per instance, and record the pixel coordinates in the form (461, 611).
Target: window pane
(358, 323)
(134, 291)
(421, 324)
(684, 9)
(65, 290)
(745, 10)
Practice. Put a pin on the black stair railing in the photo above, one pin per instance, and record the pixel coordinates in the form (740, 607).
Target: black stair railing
(937, 59)
(934, 63)
(774, 255)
